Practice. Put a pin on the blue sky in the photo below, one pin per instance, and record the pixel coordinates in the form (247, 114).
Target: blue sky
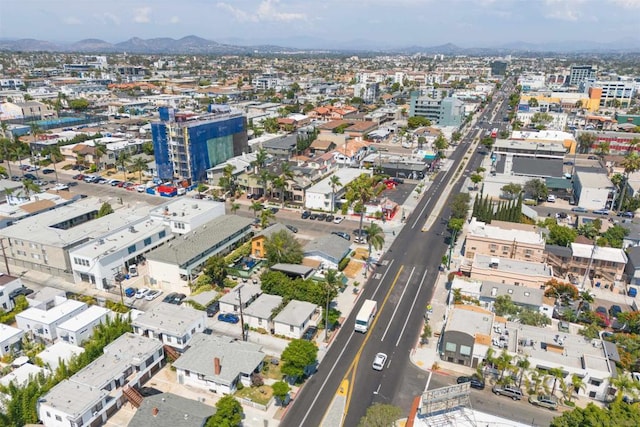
(467, 23)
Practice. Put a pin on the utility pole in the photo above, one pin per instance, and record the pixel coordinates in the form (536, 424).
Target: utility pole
(244, 337)
(453, 242)
(4, 255)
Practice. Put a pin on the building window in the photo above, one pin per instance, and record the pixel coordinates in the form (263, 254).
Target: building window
(131, 249)
(162, 234)
(451, 346)
(595, 382)
(147, 241)
(465, 350)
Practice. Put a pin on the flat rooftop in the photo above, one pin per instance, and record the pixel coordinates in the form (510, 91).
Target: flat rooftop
(513, 266)
(7, 332)
(73, 398)
(295, 312)
(601, 253)
(470, 320)
(169, 318)
(42, 228)
(506, 233)
(263, 306)
(88, 316)
(123, 237)
(185, 209)
(47, 317)
(346, 175)
(594, 179)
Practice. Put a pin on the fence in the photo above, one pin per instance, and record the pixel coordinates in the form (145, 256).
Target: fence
(253, 404)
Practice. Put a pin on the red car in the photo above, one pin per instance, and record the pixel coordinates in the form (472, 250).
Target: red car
(603, 317)
(121, 184)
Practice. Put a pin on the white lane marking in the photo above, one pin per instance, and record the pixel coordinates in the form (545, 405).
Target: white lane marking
(382, 280)
(413, 305)
(419, 217)
(398, 304)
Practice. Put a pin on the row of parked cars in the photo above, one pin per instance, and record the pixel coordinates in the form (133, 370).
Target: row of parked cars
(96, 179)
(321, 217)
(513, 392)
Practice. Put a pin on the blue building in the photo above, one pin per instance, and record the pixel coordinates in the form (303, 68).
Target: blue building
(186, 145)
(441, 111)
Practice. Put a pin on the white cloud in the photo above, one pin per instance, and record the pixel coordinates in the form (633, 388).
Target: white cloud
(174, 20)
(141, 15)
(72, 20)
(108, 18)
(563, 10)
(266, 11)
(627, 4)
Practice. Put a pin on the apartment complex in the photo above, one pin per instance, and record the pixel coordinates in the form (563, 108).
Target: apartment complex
(504, 239)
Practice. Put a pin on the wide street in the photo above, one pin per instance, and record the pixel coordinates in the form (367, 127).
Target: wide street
(402, 285)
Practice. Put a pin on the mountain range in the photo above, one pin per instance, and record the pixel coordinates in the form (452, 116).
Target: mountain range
(198, 45)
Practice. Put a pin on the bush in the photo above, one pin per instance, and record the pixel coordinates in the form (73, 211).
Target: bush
(343, 264)
(239, 386)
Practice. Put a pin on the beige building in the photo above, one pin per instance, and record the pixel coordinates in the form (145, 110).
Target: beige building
(504, 239)
(601, 264)
(510, 271)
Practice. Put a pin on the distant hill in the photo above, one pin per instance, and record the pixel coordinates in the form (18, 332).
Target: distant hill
(198, 45)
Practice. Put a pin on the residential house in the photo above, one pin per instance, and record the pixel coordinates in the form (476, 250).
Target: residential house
(244, 293)
(259, 315)
(8, 284)
(92, 395)
(171, 410)
(173, 325)
(283, 147)
(295, 318)
(78, 329)
(329, 250)
(43, 323)
(218, 363)
(322, 146)
(504, 239)
(321, 196)
(351, 128)
(10, 339)
(632, 269)
(258, 240)
(330, 112)
(559, 258)
(57, 353)
(21, 375)
(599, 264)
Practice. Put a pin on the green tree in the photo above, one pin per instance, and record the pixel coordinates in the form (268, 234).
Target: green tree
(297, 356)
(283, 247)
(504, 306)
(361, 191)
(416, 122)
(533, 318)
(234, 207)
(561, 235)
(374, 238)
(460, 205)
(533, 102)
(536, 188)
(455, 225)
(334, 182)
(105, 210)
(265, 218)
(216, 269)
(476, 178)
(618, 413)
(79, 104)
(380, 415)
(139, 165)
(30, 187)
(228, 413)
(256, 207)
(54, 154)
(123, 159)
(603, 149)
(281, 391)
(586, 140)
(631, 164)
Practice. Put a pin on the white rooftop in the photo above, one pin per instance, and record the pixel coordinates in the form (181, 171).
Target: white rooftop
(594, 179)
(543, 135)
(43, 228)
(73, 398)
(512, 266)
(88, 316)
(7, 332)
(528, 145)
(17, 210)
(171, 319)
(184, 208)
(59, 351)
(346, 175)
(20, 376)
(123, 237)
(491, 231)
(47, 317)
(601, 253)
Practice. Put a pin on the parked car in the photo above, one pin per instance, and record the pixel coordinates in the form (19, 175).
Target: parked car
(20, 291)
(213, 308)
(115, 182)
(313, 216)
(615, 310)
(274, 210)
(47, 171)
(174, 298)
(579, 209)
(228, 318)
(626, 214)
(305, 214)
(342, 234)
(30, 176)
(398, 180)
(379, 361)
(474, 381)
(329, 218)
(601, 212)
(153, 294)
(321, 216)
(310, 333)
(544, 401)
(338, 220)
(140, 188)
(142, 292)
(291, 228)
(130, 292)
(512, 392)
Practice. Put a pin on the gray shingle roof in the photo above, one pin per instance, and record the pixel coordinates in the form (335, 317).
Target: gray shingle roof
(634, 256)
(173, 411)
(295, 313)
(185, 248)
(236, 357)
(335, 247)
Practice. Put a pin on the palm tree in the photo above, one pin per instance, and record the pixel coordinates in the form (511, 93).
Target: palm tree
(261, 159)
(263, 179)
(361, 191)
(54, 154)
(577, 384)
(334, 182)
(603, 149)
(20, 151)
(585, 142)
(30, 187)
(331, 284)
(256, 207)
(585, 297)
(100, 150)
(265, 218)
(556, 374)
(375, 239)
(535, 381)
(503, 362)
(633, 144)
(234, 207)
(523, 365)
(139, 165)
(630, 163)
(280, 184)
(123, 160)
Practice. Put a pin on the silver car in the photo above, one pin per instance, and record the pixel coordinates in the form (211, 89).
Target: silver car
(379, 361)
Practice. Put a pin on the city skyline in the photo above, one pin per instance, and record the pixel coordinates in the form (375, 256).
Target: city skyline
(334, 23)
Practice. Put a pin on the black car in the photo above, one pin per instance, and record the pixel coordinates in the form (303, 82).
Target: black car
(213, 308)
(274, 210)
(309, 333)
(342, 234)
(321, 217)
(312, 216)
(174, 298)
(329, 218)
(20, 291)
(292, 228)
(474, 382)
(626, 214)
(47, 171)
(30, 176)
(397, 180)
(615, 310)
(306, 214)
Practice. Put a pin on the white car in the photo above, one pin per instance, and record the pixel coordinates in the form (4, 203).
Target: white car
(61, 186)
(151, 295)
(338, 220)
(141, 188)
(142, 292)
(379, 361)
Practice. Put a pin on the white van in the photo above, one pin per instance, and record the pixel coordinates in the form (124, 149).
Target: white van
(133, 270)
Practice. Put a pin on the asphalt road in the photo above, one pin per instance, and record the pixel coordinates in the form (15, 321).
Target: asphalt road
(402, 285)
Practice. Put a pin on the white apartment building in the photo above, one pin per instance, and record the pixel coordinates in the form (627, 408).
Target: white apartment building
(320, 196)
(558, 120)
(59, 352)
(79, 328)
(44, 323)
(620, 90)
(8, 284)
(10, 339)
(99, 260)
(173, 325)
(183, 215)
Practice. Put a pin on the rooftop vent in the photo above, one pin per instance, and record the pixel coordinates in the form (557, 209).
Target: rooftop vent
(133, 229)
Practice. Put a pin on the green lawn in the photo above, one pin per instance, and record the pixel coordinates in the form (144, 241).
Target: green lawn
(259, 395)
(270, 370)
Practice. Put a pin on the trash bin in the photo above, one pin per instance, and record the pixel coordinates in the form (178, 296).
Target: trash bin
(633, 292)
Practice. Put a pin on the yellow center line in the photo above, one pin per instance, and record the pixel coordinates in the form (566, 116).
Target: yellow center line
(356, 359)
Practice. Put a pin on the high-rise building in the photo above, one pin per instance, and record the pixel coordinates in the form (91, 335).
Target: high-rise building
(441, 111)
(613, 91)
(186, 145)
(579, 73)
(498, 68)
